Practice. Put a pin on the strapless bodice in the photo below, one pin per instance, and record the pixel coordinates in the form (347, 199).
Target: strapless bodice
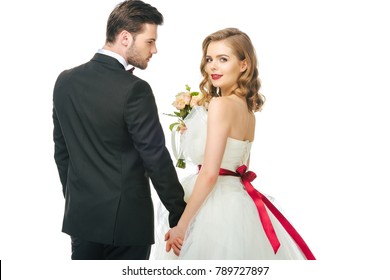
(193, 142)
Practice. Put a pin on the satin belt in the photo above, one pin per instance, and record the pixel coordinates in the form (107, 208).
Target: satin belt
(261, 201)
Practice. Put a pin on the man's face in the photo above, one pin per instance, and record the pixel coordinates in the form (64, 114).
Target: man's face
(143, 47)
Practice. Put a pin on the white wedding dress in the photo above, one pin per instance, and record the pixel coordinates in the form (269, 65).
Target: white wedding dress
(228, 225)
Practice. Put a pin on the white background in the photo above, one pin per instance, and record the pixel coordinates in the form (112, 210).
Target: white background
(321, 146)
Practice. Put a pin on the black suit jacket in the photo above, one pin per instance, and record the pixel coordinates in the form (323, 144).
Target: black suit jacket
(108, 143)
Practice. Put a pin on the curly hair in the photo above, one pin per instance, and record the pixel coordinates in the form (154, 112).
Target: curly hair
(248, 82)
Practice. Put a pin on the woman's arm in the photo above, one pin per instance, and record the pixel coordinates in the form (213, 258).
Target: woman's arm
(218, 130)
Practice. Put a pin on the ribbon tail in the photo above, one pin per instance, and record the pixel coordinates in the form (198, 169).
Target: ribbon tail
(261, 202)
(269, 230)
(289, 228)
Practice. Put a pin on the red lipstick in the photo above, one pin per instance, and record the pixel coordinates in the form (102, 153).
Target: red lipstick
(215, 76)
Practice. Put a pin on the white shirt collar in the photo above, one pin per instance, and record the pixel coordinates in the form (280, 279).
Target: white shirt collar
(116, 56)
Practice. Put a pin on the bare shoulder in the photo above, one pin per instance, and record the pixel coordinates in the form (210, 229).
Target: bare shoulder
(220, 104)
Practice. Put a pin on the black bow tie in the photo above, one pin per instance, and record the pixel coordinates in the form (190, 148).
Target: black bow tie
(131, 70)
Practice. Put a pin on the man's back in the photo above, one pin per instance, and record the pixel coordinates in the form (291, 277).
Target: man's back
(110, 125)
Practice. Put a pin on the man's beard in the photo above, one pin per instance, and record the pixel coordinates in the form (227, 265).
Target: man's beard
(135, 59)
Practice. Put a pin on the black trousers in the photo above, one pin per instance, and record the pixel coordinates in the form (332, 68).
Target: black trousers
(86, 250)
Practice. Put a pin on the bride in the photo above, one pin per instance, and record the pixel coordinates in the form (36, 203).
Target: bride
(225, 217)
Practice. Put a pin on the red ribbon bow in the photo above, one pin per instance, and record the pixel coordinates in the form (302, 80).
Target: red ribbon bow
(261, 201)
(248, 176)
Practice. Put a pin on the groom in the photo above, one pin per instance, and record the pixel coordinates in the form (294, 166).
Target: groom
(109, 143)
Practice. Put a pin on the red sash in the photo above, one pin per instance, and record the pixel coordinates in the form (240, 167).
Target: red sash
(261, 201)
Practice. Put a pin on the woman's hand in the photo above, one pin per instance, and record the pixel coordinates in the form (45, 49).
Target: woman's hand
(174, 238)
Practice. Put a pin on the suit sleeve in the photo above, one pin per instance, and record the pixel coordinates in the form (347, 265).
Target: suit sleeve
(145, 129)
(61, 154)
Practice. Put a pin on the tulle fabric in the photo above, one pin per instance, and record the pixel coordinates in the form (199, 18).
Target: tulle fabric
(227, 226)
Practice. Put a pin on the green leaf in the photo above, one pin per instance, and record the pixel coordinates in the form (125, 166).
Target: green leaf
(172, 125)
(188, 88)
(181, 163)
(194, 93)
(170, 115)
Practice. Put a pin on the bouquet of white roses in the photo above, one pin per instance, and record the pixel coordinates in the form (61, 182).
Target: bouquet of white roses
(184, 102)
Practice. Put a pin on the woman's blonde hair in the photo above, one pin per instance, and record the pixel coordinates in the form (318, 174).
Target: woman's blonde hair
(248, 82)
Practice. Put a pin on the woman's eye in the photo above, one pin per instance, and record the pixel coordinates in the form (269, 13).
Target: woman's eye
(223, 59)
(208, 60)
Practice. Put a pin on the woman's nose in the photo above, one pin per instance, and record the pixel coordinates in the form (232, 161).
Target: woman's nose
(213, 65)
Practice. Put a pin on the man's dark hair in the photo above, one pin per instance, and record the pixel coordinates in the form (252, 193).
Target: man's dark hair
(130, 15)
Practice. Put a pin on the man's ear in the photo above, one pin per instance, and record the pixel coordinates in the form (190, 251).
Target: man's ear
(126, 38)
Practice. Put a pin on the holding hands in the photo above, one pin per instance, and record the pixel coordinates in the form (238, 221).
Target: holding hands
(174, 238)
